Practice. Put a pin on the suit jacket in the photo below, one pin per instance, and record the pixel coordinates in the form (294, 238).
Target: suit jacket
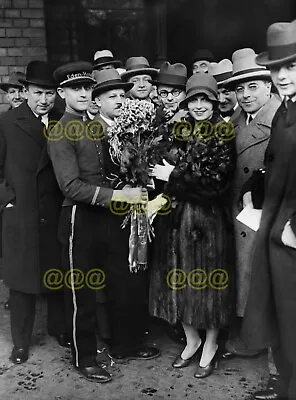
(27, 180)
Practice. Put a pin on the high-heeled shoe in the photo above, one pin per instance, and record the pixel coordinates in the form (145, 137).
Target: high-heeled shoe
(203, 372)
(179, 362)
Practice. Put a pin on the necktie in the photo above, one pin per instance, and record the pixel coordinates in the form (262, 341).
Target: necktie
(249, 119)
(44, 130)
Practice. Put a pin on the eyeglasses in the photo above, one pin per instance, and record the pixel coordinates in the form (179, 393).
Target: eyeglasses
(165, 93)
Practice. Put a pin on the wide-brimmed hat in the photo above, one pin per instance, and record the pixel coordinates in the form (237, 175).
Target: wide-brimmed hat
(105, 57)
(138, 66)
(171, 75)
(281, 44)
(13, 81)
(245, 68)
(221, 71)
(200, 84)
(203, 54)
(74, 73)
(39, 73)
(107, 80)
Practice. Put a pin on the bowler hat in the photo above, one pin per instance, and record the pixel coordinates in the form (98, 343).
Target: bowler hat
(107, 80)
(138, 66)
(203, 54)
(13, 81)
(245, 68)
(74, 73)
(198, 84)
(281, 44)
(221, 71)
(39, 73)
(105, 57)
(171, 75)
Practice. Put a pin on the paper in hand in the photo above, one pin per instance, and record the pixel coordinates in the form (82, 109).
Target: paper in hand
(250, 217)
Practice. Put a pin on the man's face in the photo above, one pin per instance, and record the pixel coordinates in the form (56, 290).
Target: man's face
(252, 95)
(15, 96)
(227, 99)
(77, 97)
(284, 78)
(93, 108)
(142, 87)
(200, 66)
(40, 100)
(110, 103)
(171, 97)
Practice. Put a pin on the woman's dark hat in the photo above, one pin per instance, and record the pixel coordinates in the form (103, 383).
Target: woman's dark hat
(200, 84)
(203, 54)
(174, 75)
(138, 66)
(39, 73)
(107, 80)
(13, 81)
(105, 57)
(74, 73)
(281, 44)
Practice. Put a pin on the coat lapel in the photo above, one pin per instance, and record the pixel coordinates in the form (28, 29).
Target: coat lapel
(30, 124)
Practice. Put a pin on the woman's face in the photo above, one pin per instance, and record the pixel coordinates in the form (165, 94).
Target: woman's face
(200, 107)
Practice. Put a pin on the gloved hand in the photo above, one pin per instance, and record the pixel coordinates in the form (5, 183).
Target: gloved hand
(162, 172)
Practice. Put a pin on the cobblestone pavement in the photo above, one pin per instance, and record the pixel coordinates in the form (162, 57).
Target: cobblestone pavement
(49, 375)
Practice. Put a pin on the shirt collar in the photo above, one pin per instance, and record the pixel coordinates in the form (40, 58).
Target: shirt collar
(108, 121)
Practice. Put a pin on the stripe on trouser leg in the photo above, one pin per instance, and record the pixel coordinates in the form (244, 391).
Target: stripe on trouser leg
(71, 239)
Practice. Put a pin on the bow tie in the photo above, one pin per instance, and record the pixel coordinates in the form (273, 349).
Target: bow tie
(227, 113)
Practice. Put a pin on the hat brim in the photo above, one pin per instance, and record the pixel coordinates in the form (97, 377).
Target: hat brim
(141, 71)
(194, 93)
(115, 63)
(79, 81)
(256, 75)
(110, 86)
(5, 86)
(263, 59)
(39, 83)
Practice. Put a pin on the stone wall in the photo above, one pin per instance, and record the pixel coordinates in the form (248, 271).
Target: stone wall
(22, 37)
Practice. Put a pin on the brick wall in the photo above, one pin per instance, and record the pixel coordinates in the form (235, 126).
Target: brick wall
(22, 37)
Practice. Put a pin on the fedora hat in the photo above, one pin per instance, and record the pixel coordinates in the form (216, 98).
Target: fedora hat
(138, 66)
(107, 80)
(245, 68)
(203, 54)
(13, 81)
(39, 73)
(221, 71)
(198, 84)
(74, 73)
(171, 75)
(105, 57)
(281, 44)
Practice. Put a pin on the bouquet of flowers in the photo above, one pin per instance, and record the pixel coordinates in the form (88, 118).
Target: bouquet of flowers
(133, 144)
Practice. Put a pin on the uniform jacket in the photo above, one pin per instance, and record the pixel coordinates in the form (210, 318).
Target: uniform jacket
(27, 181)
(271, 307)
(251, 142)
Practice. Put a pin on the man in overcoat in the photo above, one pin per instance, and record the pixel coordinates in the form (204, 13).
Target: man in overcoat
(270, 317)
(30, 201)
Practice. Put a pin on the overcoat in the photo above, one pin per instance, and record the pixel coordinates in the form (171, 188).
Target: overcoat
(251, 142)
(27, 180)
(271, 309)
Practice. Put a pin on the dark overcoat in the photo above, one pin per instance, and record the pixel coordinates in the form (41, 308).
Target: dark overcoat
(27, 180)
(270, 315)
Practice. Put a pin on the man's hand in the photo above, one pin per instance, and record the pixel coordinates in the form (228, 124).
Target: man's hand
(162, 172)
(288, 236)
(247, 200)
(131, 195)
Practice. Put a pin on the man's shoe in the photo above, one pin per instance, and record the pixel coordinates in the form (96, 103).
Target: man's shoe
(228, 355)
(19, 355)
(268, 394)
(62, 339)
(95, 374)
(6, 305)
(143, 353)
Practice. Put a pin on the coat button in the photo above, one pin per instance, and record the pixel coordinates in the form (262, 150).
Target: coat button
(243, 234)
(246, 170)
(42, 221)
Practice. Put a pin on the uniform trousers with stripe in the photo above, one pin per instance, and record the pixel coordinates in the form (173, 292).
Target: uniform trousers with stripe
(92, 239)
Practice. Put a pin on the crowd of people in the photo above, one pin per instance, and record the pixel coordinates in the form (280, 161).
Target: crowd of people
(57, 191)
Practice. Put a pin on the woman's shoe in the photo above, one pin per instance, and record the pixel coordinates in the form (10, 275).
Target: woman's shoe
(203, 372)
(181, 363)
